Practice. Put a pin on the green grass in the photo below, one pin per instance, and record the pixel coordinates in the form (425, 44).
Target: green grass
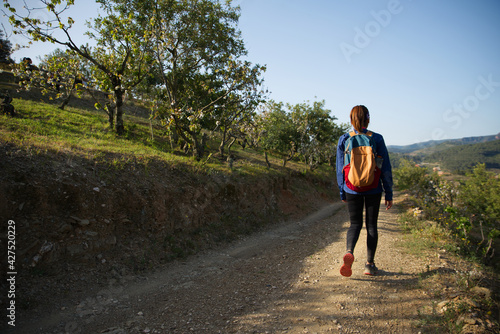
(41, 127)
(422, 235)
(82, 132)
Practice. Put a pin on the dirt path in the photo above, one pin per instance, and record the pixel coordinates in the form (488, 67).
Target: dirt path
(285, 280)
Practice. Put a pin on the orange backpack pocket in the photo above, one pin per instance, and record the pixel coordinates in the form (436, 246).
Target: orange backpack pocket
(362, 172)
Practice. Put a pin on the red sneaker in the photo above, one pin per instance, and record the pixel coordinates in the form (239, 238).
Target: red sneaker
(345, 270)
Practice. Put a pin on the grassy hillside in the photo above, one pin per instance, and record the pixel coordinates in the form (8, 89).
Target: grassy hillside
(73, 132)
(461, 158)
(84, 132)
(457, 156)
(40, 128)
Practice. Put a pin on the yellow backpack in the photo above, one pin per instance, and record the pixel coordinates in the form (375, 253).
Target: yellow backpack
(362, 166)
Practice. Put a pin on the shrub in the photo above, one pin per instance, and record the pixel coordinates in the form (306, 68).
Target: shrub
(470, 210)
(479, 200)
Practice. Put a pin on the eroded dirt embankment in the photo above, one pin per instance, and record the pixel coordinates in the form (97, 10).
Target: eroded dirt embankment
(81, 220)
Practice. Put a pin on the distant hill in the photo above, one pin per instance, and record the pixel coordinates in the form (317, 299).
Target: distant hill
(456, 155)
(461, 158)
(408, 149)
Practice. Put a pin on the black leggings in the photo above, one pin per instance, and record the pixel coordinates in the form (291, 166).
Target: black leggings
(356, 204)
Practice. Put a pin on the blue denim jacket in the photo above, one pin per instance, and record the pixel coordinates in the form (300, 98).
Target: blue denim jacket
(386, 177)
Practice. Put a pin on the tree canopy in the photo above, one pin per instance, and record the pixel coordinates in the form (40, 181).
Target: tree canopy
(303, 130)
(186, 59)
(5, 49)
(190, 51)
(198, 51)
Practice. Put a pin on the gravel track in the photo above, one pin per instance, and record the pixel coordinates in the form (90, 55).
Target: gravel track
(283, 280)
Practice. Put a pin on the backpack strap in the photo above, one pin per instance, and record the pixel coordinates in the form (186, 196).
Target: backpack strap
(369, 134)
(352, 134)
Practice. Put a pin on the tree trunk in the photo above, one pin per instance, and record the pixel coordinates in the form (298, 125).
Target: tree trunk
(230, 145)
(331, 161)
(267, 160)
(222, 144)
(243, 143)
(198, 146)
(173, 137)
(151, 129)
(111, 115)
(119, 127)
(203, 144)
(65, 101)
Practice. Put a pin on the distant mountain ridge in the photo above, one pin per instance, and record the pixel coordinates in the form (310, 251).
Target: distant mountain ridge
(455, 155)
(432, 143)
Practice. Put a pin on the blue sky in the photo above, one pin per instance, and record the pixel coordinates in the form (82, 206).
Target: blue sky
(425, 69)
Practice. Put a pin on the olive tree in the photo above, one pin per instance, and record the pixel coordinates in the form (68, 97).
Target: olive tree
(277, 134)
(198, 51)
(60, 74)
(234, 112)
(318, 132)
(120, 57)
(5, 49)
(301, 130)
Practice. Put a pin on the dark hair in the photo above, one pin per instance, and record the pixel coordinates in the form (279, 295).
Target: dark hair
(360, 117)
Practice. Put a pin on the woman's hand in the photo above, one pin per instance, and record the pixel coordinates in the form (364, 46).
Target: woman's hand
(388, 205)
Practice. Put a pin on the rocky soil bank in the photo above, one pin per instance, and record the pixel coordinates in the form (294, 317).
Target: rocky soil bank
(77, 220)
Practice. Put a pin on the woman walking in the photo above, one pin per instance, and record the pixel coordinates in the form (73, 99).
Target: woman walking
(363, 198)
